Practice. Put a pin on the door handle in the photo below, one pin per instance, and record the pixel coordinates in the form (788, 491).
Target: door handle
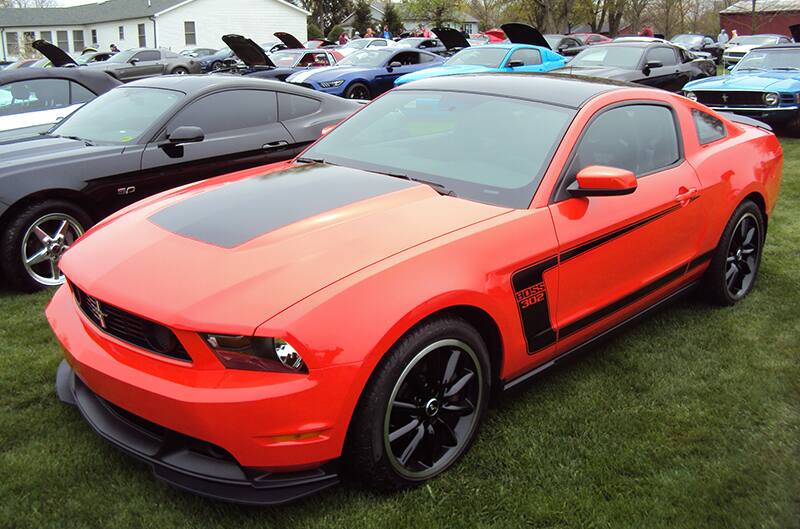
(275, 144)
(685, 196)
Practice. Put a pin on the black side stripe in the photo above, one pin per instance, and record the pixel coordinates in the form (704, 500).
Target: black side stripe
(622, 302)
(531, 297)
(700, 259)
(586, 246)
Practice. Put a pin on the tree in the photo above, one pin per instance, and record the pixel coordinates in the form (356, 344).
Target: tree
(313, 31)
(327, 13)
(437, 13)
(362, 18)
(391, 18)
(488, 12)
(333, 34)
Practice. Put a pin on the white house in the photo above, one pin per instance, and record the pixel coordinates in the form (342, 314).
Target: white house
(172, 24)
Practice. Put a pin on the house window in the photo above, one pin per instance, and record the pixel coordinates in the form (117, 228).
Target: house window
(47, 36)
(12, 43)
(122, 33)
(94, 38)
(77, 40)
(142, 36)
(27, 39)
(188, 30)
(63, 40)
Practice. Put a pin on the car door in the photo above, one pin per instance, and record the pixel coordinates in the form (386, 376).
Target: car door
(145, 63)
(404, 62)
(241, 130)
(667, 76)
(524, 60)
(616, 250)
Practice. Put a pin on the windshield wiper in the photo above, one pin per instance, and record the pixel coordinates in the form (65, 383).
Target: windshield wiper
(790, 68)
(310, 160)
(439, 188)
(76, 138)
(749, 68)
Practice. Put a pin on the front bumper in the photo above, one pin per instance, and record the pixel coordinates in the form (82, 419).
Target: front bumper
(184, 462)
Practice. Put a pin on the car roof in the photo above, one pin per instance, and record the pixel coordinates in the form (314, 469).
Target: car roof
(199, 84)
(96, 80)
(635, 43)
(559, 89)
(793, 45)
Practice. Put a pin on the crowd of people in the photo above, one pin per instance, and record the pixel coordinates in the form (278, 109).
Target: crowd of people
(421, 31)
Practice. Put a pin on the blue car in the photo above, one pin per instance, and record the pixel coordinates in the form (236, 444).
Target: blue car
(764, 84)
(367, 73)
(493, 58)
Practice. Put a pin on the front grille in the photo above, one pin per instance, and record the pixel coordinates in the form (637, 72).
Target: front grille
(130, 328)
(731, 99)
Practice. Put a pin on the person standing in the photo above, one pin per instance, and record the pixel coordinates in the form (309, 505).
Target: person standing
(369, 34)
(734, 34)
(426, 32)
(647, 31)
(722, 38)
(114, 48)
(386, 33)
(343, 39)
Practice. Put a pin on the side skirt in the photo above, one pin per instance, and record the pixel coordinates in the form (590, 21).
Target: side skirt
(600, 337)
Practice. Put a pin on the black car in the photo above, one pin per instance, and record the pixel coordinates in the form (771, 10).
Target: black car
(137, 140)
(278, 65)
(422, 43)
(128, 65)
(700, 43)
(32, 100)
(651, 63)
(565, 45)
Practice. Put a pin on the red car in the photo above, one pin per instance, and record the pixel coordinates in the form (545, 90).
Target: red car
(590, 39)
(253, 336)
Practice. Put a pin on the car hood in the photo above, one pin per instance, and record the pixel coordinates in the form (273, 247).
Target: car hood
(327, 73)
(248, 51)
(56, 55)
(596, 71)
(451, 38)
(43, 150)
(777, 81)
(519, 33)
(235, 251)
(443, 70)
(289, 40)
(743, 48)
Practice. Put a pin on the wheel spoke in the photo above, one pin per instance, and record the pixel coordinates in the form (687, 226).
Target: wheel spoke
(749, 236)
(459, 409)
(450, 368)
(403, 405)
(40, 234)
(55, 274)
(451, 439)
(37, 258)
(413, 445)
(60, 231)
(730, 275)
(400, 432)
(459, 385)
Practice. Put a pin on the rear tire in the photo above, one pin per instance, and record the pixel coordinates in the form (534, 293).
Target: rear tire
(216, 65)
(180, 70)
(34, 240)
(736, 260)
(357, 91)
(422, 407)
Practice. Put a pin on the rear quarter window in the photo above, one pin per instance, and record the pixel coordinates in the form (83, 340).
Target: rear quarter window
(709, 128)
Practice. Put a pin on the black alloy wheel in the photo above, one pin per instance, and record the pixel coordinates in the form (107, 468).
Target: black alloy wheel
(743, 256)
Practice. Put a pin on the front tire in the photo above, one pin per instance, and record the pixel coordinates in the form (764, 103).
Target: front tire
(358, 91)
(34, 240)
(180, 71)
(737, 258)
(422, 407)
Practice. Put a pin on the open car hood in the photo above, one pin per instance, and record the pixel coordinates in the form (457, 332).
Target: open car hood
(289, 40)
(56, 55)
(451, 38)
(248, 51)
(795, 30)
(519, 33)
(324, 43)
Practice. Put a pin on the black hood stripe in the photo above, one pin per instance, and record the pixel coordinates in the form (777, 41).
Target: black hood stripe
(234, 213)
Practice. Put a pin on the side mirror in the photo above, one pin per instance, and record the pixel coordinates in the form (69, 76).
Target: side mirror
(186, 134)
(602, 181)
(133, 61)
(394, 64)
(653, 64)
(515, 64)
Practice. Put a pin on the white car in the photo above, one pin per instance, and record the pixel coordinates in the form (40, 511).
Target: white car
(32, 100)
(738, 47)
(360, 44)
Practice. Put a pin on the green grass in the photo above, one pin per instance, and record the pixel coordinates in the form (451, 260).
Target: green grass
(690, 419)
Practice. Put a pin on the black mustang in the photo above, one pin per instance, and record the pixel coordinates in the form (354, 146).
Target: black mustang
(652, 63)
(137, 140)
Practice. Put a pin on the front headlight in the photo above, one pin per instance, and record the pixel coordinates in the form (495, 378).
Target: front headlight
(255, 353)
(332, 84)
(771, 99)
(691, 95)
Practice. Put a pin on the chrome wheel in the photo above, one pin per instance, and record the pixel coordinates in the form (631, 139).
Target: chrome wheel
(180, 71)
(45, 242)
(741, 263)
(433, 409)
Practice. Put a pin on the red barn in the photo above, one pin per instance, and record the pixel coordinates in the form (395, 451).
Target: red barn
(772, 16)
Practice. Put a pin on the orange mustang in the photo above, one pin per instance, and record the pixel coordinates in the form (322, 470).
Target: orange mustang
(255, 336)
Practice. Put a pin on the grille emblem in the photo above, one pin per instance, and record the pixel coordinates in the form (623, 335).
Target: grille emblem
(724, 98)
(97, 311)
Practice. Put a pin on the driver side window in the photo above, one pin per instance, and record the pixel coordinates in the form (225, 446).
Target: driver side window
(640, 138)
(406, 58)
(143, 56)
(666, 56)
(528, 57)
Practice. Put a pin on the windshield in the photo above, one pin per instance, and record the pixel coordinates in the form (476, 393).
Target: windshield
(408, 43)
(284, 58)
(365, 58)
(489, 57)
(119, 116)
(625, 57)
(83, 59)
(552, 41)
(786, 59)
(431, 136)
(357, 44)
(751, 40)
(688, 40)
(123, 56)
